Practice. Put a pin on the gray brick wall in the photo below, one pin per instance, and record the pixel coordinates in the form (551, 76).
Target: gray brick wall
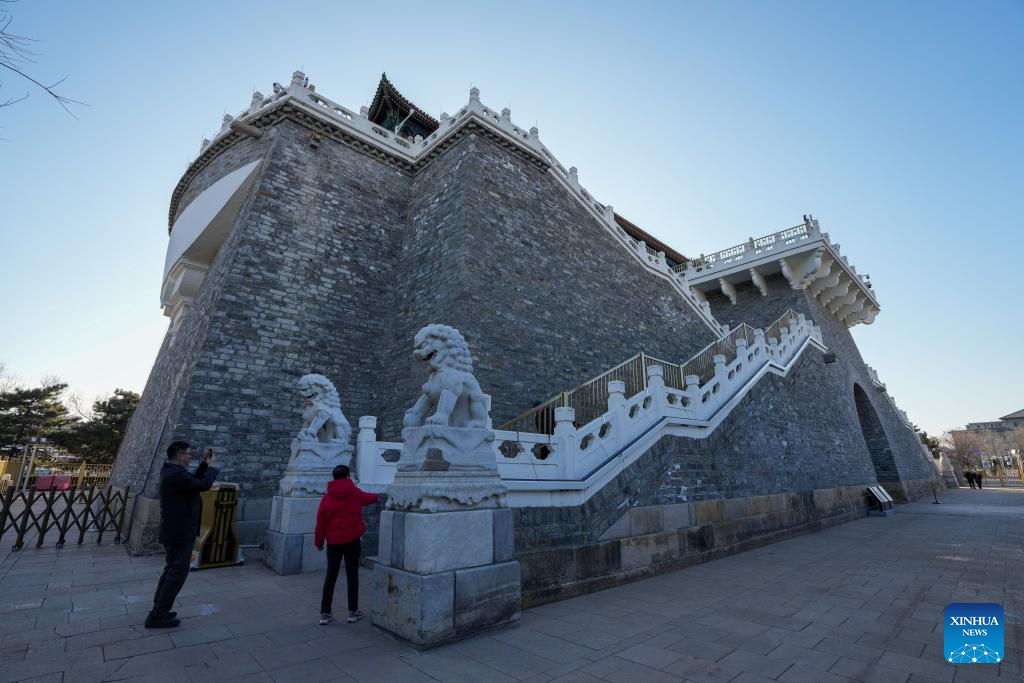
(545, 297)
(911, 463)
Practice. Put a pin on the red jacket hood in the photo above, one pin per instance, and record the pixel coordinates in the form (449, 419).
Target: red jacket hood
(342, 489)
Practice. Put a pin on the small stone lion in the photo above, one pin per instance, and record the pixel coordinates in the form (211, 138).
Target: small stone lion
(323, 418)
(451, 391)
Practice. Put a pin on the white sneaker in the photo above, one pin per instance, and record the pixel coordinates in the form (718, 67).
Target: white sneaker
(326, 618)
(353, 617)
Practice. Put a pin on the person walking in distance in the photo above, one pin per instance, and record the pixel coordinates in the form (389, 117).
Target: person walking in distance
(180, 508)
(339, 522)
(969, 475)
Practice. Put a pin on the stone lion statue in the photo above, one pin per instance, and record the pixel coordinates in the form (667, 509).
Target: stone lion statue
(323, 419)
(451, 393)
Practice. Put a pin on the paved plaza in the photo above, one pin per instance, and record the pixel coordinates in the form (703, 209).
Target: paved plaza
(861, 601)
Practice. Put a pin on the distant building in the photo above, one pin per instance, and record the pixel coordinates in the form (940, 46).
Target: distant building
(998, 438)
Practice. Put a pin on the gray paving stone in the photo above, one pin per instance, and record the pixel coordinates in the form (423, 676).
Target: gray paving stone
(814, 659)
(606, 665)
(747, 677)
(633, 672)
(843, 648)
(224, 668)
(338, 643)
(449, 665)
(755, 663)
(592, 638)
(974, 673)
(577, 677)
(376, 667)
(507, 659)
(244, 644)
(194, 636)
(897, 645)
(175, 659)
(654, 657)
(938, 670)
(308, 672)
(57, 677)
(121, 649)
(701, 669)
(279, 656)
(863, 671)
(541, 644)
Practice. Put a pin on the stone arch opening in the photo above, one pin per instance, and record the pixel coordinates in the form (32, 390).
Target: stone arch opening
(875, 438)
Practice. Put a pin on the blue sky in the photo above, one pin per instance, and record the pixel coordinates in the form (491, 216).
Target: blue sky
(898, 125)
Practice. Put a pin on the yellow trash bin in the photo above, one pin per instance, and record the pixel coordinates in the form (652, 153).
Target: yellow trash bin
(217, 544)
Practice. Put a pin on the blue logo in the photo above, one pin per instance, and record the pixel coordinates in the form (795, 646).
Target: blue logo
(973, 632)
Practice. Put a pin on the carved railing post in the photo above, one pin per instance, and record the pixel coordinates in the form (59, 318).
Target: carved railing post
(617, 412)
(566, 444)
(656, 388)
(693, 394)
(720, 380)
(366, 449)
(741, 358)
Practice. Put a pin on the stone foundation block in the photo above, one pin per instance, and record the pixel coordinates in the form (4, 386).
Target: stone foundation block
(293, 515)
(289, 543)
(417, 607)
(293, 553)
(486, 597)
(428, 543)
(676, 516)
(504, 535)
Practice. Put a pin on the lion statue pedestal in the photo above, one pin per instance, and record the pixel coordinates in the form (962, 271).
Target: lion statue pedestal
(321, 445)
(446, 564)
(309, 469)
(445, 469)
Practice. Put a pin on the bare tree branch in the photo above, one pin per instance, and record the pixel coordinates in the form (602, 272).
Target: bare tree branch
(8, 382)
(15, 53)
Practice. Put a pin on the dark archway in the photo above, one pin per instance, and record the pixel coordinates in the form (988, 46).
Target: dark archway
(875, 438)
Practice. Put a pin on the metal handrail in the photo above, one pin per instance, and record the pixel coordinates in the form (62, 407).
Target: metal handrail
(774, 331)
(702, 363)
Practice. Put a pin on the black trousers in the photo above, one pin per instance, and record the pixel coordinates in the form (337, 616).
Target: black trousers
(176, 569)
(335, 553)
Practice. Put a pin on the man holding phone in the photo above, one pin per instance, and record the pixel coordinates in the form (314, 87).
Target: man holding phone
(180, 510)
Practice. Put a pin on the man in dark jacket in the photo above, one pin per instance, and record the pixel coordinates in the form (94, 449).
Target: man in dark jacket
(180, 508)
(339, 521)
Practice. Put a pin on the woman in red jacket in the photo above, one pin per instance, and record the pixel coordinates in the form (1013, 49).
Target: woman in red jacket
(339, 520)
